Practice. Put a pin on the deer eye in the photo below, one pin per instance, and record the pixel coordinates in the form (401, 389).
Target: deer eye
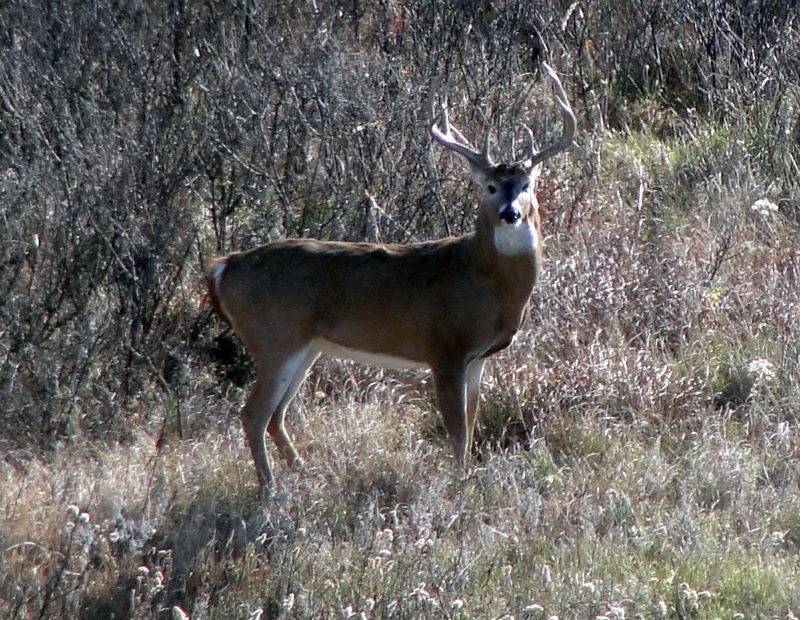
(525, 187)
(492, 189)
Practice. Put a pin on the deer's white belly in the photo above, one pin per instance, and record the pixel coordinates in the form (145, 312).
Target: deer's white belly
(331, 349)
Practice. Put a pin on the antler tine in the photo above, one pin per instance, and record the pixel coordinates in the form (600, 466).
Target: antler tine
(569, 121)
(531, 142)
(453, 139)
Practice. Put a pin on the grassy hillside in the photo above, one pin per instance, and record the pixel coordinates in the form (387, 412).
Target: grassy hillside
(638, 447)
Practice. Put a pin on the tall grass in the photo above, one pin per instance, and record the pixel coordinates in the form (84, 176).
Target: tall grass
(596, 516)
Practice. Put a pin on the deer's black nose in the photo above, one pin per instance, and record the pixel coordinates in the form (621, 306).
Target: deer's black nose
(510, 215)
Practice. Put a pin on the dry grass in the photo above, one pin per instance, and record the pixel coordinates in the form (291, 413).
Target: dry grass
(637, 456)
(631, 494)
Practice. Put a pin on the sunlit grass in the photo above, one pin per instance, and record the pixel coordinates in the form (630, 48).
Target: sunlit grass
(595, 517)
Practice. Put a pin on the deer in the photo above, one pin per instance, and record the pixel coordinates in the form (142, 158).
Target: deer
(445, 305)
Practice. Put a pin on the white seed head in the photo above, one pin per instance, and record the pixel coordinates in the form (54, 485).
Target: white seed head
(616, 612)
(762, 371)
(533, 609)
(764, 206)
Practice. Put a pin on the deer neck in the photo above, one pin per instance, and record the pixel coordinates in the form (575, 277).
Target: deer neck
(509, 255)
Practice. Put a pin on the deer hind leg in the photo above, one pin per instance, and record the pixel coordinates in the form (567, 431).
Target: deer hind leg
(451, 394)
(276, 428)
(276, 374)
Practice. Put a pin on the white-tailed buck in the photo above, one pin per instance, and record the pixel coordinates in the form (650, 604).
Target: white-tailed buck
(445, 305)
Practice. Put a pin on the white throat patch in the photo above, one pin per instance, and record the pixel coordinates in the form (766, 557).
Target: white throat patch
(513, 240)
